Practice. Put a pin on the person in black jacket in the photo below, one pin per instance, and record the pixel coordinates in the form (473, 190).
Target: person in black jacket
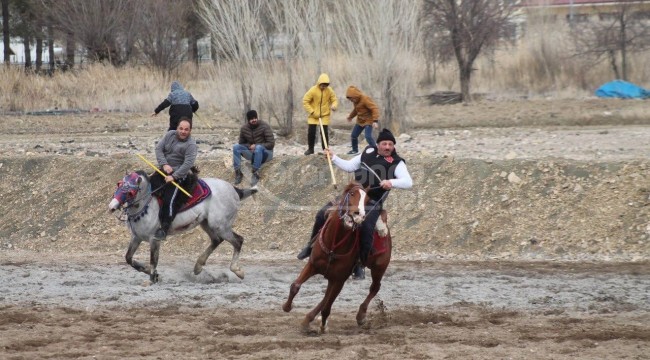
(378, 169)
(181, 103)
(256, 143)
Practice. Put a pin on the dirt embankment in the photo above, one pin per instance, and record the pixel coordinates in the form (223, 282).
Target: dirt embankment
(461, 209)
(513, 183)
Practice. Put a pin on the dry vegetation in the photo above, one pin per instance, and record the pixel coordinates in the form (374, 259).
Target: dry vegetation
(537, 182)
(539, 66)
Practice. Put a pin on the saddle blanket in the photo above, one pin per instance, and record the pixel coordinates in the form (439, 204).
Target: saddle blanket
(379, 244)
(200, 193)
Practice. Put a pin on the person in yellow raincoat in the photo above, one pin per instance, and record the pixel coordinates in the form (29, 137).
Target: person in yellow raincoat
(318, 102)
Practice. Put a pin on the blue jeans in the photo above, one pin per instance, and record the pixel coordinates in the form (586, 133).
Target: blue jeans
(356, 131)
(257, 157)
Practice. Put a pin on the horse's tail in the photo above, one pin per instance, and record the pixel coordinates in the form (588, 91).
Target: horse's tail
(244, 193)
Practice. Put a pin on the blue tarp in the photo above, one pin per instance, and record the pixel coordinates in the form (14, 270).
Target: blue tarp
(623, 90)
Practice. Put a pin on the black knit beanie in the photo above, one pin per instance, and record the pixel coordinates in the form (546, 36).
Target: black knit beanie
(251, 114)
(386, 135)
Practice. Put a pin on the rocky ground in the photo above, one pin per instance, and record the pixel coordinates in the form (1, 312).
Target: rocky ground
(527, 232)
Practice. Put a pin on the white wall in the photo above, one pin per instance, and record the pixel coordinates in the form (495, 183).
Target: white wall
(19, 50)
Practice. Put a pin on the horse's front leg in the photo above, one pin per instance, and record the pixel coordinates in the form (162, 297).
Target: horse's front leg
(377, 275)
(133, 247)
(154, 246)
(307, 272)
(333, 291)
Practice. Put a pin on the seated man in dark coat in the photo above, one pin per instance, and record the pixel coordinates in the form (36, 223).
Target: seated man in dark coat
(256, 143)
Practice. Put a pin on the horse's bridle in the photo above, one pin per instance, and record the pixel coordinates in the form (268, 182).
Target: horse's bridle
(344, 208)
(130, 209)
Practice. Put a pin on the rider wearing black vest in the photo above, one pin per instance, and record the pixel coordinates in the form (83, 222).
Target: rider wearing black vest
(378, 169)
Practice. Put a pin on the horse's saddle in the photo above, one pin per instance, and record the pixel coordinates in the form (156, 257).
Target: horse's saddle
(200, 193)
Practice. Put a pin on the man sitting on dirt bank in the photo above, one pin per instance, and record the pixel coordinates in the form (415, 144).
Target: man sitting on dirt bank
(256, 143)
(378, 169)
(175, 153)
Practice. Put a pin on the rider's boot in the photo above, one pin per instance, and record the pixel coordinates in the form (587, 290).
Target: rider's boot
(306, 251)
(319, 222)
(161, 233)
(359, 272)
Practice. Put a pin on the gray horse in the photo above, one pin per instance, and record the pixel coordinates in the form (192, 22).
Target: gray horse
(216, 215)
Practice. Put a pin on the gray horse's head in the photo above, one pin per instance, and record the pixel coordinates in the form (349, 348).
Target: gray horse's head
(127, 189)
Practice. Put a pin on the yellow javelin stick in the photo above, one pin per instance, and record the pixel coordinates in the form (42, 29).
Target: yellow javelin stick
(163, 174)
(200, 118)
(329, 161)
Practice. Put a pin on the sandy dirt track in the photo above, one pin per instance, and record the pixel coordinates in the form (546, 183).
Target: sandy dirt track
(95, 306)
(67, 293)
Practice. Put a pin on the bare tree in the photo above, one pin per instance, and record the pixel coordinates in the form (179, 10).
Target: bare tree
(5, 31)
(38, 37)
(386, 34)
(161, 39)
(614, 36)
(95, 23)
(22, 25)
(238, 35)
(194, 30)
(470, 26)
(281, 36)
(283, 25)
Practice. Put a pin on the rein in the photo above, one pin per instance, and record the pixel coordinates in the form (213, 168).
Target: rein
(381, 199)
(330, 252)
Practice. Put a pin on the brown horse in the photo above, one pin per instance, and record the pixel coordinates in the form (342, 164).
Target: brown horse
(335, 252)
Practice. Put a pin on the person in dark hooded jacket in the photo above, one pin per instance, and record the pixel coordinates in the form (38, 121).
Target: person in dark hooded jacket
(181, 104)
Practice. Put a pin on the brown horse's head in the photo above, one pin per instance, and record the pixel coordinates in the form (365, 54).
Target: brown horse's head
(351, 208)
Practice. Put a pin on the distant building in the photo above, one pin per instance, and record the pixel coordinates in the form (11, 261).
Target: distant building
(578, 11)
(17, 48)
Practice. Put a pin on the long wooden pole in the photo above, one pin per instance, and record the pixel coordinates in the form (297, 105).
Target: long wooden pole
(329, 161)
(203, 121)
(163, 174)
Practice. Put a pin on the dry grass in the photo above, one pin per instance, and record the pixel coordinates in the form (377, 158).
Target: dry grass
(539, 66)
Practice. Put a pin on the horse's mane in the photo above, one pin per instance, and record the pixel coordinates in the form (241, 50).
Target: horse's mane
(143, 174)
(353, 184)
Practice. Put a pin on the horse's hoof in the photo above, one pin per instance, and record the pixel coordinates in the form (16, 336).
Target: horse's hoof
(361, 319)
(306, 329)
(197, 269)
(323, 326)
(287, 307)
(239, 273)
(323, 329)
(154, 278)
